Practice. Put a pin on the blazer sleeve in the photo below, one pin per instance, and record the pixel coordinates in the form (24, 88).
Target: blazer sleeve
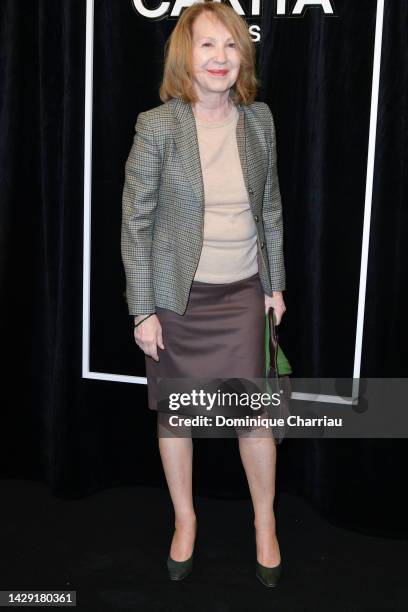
(272, 213)
(139, 200)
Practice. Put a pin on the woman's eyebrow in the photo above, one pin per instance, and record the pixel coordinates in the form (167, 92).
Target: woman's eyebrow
(212, 38)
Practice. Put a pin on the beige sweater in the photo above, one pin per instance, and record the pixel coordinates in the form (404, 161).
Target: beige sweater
(229, 250)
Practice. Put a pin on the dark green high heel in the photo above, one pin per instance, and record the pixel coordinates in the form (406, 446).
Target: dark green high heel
(179, 569)
(269, 576)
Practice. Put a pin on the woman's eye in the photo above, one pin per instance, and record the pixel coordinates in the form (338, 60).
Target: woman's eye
(207, 44)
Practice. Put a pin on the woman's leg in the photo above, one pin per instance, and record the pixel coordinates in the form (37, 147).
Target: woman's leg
(176, 451)
(258, 454)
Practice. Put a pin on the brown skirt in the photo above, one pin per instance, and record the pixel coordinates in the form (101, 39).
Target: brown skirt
(220, 335)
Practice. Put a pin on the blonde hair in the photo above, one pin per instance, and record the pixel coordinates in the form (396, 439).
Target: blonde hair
(177, 79)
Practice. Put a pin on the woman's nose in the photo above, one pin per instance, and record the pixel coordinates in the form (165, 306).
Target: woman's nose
(220, 54)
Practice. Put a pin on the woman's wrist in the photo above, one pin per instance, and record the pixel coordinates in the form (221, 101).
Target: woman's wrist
(140, 318)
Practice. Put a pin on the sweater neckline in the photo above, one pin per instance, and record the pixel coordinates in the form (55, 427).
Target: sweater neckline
(216, 124)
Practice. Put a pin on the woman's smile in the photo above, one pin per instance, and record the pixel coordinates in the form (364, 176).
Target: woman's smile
(218, 72)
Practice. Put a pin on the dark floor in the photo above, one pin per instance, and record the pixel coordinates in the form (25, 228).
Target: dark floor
(112, 547)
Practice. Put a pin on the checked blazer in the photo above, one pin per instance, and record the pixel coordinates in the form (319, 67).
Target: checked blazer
(163, 204)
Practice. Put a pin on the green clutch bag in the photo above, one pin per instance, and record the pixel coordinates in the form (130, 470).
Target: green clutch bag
(282, 363)
(277, 370)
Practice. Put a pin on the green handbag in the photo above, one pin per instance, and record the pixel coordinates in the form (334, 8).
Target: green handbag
(277, 370)
(282, 364)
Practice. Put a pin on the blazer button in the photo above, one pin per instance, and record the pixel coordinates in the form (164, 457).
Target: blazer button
(262, 245)
(250, 191)
(256, 218)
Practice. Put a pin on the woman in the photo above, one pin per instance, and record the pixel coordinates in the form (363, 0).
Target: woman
(202, 247)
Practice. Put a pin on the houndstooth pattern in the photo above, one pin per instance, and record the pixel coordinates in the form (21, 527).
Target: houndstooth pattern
(163, 204)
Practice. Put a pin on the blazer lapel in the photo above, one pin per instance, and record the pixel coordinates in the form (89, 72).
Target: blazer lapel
(186, 139)
(242, 145)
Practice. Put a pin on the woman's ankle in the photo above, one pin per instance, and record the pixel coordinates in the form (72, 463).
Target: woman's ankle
(184, 520)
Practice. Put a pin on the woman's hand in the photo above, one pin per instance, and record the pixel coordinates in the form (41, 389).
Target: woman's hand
(148, 335)
(277, 303)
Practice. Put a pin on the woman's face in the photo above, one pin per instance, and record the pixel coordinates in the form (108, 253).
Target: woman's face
(216, 59)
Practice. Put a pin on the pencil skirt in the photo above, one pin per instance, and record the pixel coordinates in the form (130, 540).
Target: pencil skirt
(220, 335)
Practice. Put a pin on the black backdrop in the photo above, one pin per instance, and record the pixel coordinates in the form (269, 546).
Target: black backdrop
(81, 435)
